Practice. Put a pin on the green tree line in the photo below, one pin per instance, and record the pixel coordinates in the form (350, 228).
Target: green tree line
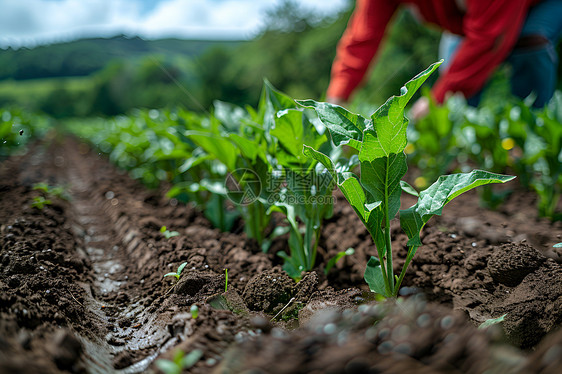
(294, 52)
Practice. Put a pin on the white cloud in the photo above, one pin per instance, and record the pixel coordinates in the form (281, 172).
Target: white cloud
(200, 18)
(31, 22)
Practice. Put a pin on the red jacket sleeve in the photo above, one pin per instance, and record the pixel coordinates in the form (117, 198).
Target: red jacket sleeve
(491, 30)
(358, 45)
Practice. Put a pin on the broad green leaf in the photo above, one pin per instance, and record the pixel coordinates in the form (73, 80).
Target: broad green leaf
(345, 127)
(432, 200)
(216, 187)
(278, 99)
(292, 130)
(194, 160)
(221, 148)
(388, 133)
(271, 102)
(408, 189)
(229, 115)
(323, 159)
(349, 185)
(289, 131)
(248, 148)
(289, 265)
(374, 277)
(381, 178)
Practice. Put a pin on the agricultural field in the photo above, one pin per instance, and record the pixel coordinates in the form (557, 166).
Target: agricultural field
(291, 237)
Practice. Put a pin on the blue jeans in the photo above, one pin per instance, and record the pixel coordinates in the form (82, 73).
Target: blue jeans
(533, 68)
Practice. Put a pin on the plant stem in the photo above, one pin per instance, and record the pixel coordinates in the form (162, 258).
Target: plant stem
(256, 218)
(390, 271)
(308, 245)
(222, 219)
(409, 258)
(225, 280)
(380, 252)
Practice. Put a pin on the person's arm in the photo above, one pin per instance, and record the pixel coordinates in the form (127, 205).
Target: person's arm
(358, 46)
(491, 29)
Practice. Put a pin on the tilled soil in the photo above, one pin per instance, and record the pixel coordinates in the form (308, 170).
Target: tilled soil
(82, 286)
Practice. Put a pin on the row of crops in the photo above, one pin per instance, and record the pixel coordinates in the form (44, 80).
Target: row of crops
(503, 136)
(18, 127)
(249, 163)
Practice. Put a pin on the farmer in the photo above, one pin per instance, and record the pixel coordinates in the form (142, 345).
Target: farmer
(484, 33)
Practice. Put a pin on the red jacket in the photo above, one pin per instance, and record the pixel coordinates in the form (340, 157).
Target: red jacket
(490, 27)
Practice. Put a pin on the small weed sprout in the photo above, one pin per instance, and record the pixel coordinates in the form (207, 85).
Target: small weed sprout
(194, 310)
(168, 234)
(48, 193)
(225, 280)
(180, 361)
(491, 321)
(336, 258)
(40, 202)
(51, 191)
(177, 274)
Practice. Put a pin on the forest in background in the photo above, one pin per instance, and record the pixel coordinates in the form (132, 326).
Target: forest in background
(106, 77)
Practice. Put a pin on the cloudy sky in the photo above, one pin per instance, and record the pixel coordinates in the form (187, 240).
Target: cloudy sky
(32, 22)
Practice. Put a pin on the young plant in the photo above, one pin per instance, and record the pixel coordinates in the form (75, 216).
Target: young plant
(302, 190)
(547, 163)
(432, 142)
(225, 280)
(336, 258)
(194, 311)
(51, 191)
(168, 234)
(375, 195)
(39, 202)
(180, 362)
(488, 145)
(177, 274)
(492, 321)
(306, 194)
(233, 141)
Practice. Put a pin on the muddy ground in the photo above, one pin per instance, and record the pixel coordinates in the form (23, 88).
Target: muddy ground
(82, 286)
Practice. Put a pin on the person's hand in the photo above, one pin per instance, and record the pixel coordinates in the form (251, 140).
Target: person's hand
(420, 109)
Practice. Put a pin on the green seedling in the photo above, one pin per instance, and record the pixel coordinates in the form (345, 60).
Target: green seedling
(547, 165)
(39, 202)
(51, 191)
(168, 234)
(375, 194)
(225, 280)
(492, 321)
(194, 310)
(177, 274)
(336, 258)
(180, 362)
(433, 140)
